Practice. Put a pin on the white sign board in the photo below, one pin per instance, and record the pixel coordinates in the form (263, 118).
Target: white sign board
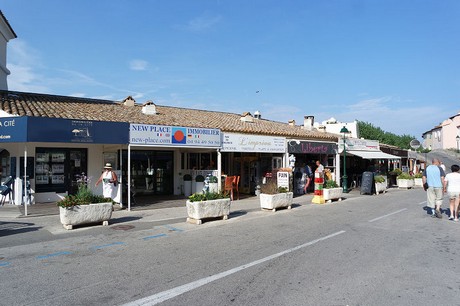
(253, 143)
(359, 144)
(283, 179)
(158, 135)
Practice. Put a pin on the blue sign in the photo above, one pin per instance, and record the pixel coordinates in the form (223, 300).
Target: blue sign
(13, 129)
(39, 129)
(77, 131)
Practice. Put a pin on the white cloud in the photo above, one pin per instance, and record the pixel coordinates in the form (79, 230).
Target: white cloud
(23, 61)
(201, 23)
(138, 65)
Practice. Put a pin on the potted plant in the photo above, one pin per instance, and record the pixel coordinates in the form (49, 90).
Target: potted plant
(84, 207)
(273, 197)
(418, 181)
(393, 175)
(332, 191)
(213, 184)
(380, 182)
(187, 185)
(199, 179)
(405, 180)
(207, 205)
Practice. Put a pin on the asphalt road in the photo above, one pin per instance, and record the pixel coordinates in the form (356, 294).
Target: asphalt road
(370, 250)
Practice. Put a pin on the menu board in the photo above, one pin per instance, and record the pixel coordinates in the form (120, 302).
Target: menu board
(367, 183)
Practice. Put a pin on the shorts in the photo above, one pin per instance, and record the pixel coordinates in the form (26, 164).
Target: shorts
(434, 197)
(454, 195)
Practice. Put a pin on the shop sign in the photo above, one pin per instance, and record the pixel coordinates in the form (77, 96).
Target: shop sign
(310, 147)
(160, 135)
(360, 144)
(13, 129)
(283, 179)
(76, 131)
(253, 143)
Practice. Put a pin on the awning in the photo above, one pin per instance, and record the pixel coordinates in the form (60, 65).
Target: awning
(372, 154)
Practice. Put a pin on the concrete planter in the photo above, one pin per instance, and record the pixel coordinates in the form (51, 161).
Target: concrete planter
(380, 187)
(274, 201)
(197, 211)
(418, 182)
(85, 214)
(330, 194)
(406, 184)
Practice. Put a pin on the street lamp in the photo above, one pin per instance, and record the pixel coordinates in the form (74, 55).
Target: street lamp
(344, 131)
(458, 140)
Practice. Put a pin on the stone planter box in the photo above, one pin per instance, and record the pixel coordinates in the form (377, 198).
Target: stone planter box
(274, 201)
(197, 211)
(406, 184)
(380, 187)
(330, 194)
(418, 182)
(86, 214)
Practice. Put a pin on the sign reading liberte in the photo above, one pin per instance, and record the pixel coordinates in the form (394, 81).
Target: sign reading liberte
(253, 143)
(158, 135)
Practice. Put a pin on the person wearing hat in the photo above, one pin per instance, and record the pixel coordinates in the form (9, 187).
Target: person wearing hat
(109, 182)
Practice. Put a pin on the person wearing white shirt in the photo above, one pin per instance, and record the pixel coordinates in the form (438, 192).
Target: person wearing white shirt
(452, 187)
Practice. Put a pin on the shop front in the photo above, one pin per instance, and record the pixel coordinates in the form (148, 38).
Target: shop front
(49, 154)
(365, 155)
(251, 157)
(307, 153)
(159, 156)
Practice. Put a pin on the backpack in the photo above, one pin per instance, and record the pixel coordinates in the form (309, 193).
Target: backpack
(308, 171)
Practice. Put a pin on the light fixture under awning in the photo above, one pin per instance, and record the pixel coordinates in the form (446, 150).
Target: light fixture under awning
(372, 154)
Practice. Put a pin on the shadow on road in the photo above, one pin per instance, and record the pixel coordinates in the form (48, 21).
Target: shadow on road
(12, 228)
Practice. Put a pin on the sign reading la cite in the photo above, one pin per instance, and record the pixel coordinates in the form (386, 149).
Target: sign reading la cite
(146, 134)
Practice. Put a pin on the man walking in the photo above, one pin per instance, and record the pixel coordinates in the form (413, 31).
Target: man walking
(434, 177)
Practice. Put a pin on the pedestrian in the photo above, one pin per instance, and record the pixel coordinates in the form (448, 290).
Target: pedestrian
(308, 175)
(109, 182)
(443, 167)
(434, 177)
(319, 167)
(452, 183)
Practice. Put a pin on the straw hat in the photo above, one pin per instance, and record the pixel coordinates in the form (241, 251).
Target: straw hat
(108, 166)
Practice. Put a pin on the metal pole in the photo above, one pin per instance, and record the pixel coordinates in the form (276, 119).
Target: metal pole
(129, 177)
(345, 178)
(24, 194)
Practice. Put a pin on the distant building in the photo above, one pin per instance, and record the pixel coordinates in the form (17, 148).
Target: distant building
(443, 136)
(333, 126)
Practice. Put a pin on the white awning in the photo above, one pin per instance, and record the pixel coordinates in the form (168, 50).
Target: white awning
(372, 154)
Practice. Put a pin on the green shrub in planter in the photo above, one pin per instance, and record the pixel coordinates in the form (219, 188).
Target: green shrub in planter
(379, 178)
(199, 178)
(271, 187)
(330, 184)
(418, 175)
(187, 177)
(396, 171)
(197, 197)
(404, 176)
(213, 179)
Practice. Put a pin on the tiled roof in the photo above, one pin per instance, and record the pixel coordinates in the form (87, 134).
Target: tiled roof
(52, 106)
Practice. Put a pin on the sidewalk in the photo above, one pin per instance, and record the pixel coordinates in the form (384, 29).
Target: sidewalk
(46, 216)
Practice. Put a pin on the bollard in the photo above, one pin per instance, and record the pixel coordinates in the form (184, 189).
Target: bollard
(318, 197)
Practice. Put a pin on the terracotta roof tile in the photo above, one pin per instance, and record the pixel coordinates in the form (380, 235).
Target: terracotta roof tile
(52, 106)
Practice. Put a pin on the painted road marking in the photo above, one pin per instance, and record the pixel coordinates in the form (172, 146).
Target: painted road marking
(169, 294)
(424, 202)
(106, 245)
(154, 236)
(398, 211)
(53, 255)
(4, 264)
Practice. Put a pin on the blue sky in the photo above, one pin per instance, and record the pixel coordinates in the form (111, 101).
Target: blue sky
(394, 64)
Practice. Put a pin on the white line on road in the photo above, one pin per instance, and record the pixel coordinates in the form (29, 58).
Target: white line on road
(398, 211)
(424, 202)
(169, 294)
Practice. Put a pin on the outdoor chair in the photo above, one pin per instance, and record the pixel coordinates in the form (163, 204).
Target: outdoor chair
(228, 186)
(236, 183)
(5, 190)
